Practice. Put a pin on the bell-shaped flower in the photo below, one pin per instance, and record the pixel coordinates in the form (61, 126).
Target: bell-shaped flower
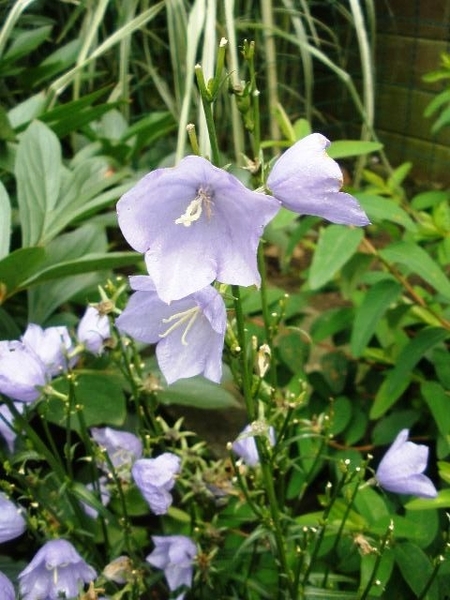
(7, 431)
(105, 497)
(22, 372)
(307, 181)
(93, 329)
(6, 588)
(245, 446)
(122, 447)
(12, 523)
(56, 571)
(52, 345)
(174, 554)
(189, 333)
(401, 468)
(155, 477)
(196, 224)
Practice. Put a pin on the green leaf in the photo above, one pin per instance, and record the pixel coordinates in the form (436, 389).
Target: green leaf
(7, 133)
(29, 109)
(384, 566)
(374, 305)
(417, 260)
(345, 148)
(5, 221)
(38, 173)
(381, 209)
(198, 392)
(441, 501)
(27, 41)
(429, 199)
(336, 245)
(398, 379)
(86, 264)
(330, 322)
(99, 395)
(438, 401)
(416, 568)
(19, 265)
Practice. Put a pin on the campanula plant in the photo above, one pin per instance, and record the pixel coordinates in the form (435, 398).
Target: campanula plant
(110, 487)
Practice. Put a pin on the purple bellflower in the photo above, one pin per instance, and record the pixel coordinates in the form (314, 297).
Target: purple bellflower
(51, 345)
(174, 554)
(22, 372)
(7, 430)
(189, 333)
(56, 569)
(307, 181)
(401, 468)
(6, 588)
(93, 329)
(195, 223)
(123, 449)
(105, 497)
(12, 523)
(155, 477)
(245, 446)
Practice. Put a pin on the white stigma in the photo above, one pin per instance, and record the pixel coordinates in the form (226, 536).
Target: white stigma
(178, 320)
(195, 208)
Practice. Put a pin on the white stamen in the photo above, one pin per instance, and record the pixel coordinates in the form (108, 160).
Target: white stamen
(195, 208)
(180, 318)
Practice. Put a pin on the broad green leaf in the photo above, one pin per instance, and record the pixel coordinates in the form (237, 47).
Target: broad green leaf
(371, 505)
(198, 392)
(25, 42)
(38, 173)
(18, 266)
(441, 501)
(383, 567)
(374, 305)
(336, 245)
(26, 111)
(5, 221)
(419, 262)
(438, 401)
(330, 322)
(398, 379)
(345, 148)
(429, 199)
(86, 264)
(380, 209)
(99, 395)
(44, 298)
(416, 568)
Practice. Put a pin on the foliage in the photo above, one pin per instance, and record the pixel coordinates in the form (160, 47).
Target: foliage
(345, 344)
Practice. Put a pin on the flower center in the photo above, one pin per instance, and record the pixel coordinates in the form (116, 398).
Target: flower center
(195, 208)
(182, 319)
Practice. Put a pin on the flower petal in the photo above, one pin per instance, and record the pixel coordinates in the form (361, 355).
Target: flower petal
(307, 181)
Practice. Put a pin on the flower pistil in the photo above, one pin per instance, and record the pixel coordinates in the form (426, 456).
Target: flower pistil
(195, 208)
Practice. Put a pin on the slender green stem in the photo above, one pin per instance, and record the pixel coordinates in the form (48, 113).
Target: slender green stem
(209, 117)
(268, 329)
(242, 338)
(437, 566)
(285, 575)
(376, 566)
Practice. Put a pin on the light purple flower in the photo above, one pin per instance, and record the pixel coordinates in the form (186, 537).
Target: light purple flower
(7, 430)
(155, 477)
(93, 330)
(12, 523)
(22, 372)
(6, 588)
(174, 554)
(56, 569)
(307, 181)
(245, 446)
(189, 333)
(123, 449)
(105, 497)
(51, 345)
(401, 468)
(195, 223)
